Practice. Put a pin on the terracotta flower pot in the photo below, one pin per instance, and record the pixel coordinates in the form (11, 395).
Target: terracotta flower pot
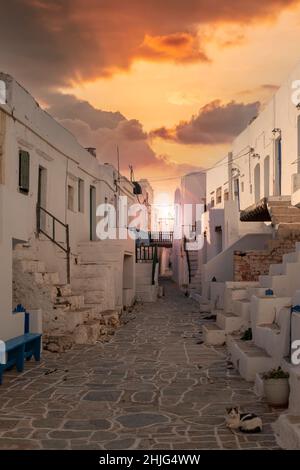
(277, 391)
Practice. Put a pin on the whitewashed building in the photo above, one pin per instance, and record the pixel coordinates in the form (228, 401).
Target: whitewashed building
(186, 264)
(252, 225)
(51, 257)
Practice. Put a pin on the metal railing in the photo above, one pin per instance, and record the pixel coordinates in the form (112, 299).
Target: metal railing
(144, 253)
(51, 235)
(154, 263)
(188, 261)
(161, 237)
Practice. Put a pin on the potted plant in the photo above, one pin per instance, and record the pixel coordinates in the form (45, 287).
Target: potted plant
(276, 387)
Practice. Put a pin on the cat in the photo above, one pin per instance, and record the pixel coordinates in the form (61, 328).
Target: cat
(245, 422)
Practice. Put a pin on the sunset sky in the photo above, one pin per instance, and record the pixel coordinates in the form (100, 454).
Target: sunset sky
(171, 82)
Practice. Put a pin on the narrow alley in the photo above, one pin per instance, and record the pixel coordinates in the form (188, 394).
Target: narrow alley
(155, 385)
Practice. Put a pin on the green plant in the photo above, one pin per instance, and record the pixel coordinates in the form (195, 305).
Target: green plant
(276, 374)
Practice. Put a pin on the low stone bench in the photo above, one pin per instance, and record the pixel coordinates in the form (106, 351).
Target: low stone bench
(20, 349)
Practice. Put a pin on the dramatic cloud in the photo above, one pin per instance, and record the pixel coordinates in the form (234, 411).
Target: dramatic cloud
(179, 47)
(61, 42)
(69, 107)
(104, 130)
(214, 124)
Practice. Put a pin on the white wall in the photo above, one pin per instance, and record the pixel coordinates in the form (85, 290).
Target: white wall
(192, 191)
(27, 127)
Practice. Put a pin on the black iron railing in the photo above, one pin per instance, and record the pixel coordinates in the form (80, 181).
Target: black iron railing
(51, 234)
(147, 254)
(188, 261)
(154, 263)
(161, 237)
(144, 253)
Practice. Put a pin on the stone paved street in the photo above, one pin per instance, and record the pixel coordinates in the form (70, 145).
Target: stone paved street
(154, 386)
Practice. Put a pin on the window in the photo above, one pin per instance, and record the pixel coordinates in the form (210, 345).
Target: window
(24, 168)
(80, 195)
(70, 198)
(219, 195)
(226, 195)
(212, 202)
(242, 186)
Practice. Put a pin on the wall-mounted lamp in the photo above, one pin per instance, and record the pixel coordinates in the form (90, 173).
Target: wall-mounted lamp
(235, 170)
(276, 130)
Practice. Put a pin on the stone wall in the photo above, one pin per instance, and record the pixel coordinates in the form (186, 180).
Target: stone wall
(249, 265)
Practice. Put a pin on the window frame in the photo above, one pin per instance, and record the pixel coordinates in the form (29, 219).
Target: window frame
(80, 193)
(24, 165)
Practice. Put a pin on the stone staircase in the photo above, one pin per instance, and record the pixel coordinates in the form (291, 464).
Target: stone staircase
(272, 325)
(195, 284)
(281, 211)
(72, 314)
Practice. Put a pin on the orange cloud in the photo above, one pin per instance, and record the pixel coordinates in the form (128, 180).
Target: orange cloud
(178, 47)
(216, 123)
(62, 42)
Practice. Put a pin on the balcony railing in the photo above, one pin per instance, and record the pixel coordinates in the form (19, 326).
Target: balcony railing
(161, 237)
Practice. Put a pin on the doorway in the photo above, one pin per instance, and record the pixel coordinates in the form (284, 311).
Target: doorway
(92, 213)
(236, 189)
(219, 239)
(257, 182)
(278, 167)
(267, 176)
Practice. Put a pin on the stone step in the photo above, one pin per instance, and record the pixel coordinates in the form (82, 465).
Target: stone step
(287, 431)
(30, 266)
(213, 335)
(283, 285)
(229, 321)
(94, 297)
(265, 310)
(241, 308)
(57, 342)
(292, 257)
(277, 200)
(60, 290)
(248, 358)
(81, 285)
(274, 338)
(46, 278)
(84, 271)
(232, 294)
(240, 284)
(283, 209)
(258, 291)
(71, 302)
(99, 256)
(285, 219)
(66, 321)
(205, 307)
(276, 269)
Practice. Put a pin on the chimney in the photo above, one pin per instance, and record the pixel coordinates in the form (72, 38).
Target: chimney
(92, 151)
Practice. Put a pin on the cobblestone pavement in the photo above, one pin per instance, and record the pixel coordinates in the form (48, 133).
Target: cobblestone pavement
(154, 386)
